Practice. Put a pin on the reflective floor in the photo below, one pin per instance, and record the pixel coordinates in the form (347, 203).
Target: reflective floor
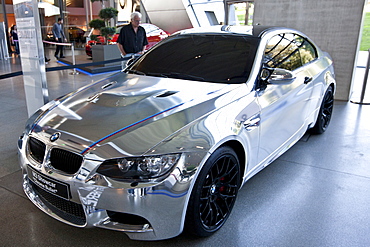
(316, 194)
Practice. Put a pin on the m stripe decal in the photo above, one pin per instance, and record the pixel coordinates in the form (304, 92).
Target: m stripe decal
(127, 127)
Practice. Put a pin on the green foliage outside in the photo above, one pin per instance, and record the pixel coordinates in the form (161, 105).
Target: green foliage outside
(365, 40)
(240, 9)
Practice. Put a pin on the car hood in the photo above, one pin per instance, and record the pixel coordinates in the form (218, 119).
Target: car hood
(131, 113)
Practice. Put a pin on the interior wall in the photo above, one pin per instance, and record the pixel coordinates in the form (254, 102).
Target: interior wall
(168, 15)
(334, 25)
(177, 15)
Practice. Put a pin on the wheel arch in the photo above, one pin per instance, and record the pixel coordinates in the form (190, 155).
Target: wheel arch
(333, 86)
(237, 146)
(240, 152)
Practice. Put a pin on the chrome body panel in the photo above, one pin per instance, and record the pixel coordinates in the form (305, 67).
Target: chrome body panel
(97, 194)
(129, 115)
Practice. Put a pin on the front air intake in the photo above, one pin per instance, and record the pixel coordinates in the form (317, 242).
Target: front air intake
(68, 210)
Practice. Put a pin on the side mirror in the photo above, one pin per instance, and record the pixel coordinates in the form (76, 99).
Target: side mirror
(130, 61)
(277, 76)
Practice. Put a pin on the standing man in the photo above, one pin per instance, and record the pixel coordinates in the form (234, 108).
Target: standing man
(59, 37)
(132, 37)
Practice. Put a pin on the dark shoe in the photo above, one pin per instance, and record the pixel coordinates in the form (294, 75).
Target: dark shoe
(47, 59)
(62, 56)
(56, 57)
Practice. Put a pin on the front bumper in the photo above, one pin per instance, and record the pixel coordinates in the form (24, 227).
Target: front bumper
(145, 212)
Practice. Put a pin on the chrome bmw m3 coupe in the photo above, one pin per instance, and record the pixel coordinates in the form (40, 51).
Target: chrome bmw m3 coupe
(165, 145)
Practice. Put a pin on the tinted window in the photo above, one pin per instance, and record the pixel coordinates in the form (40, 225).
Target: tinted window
(289, 51)
(282, 52)
(212, 58)
(306, 49)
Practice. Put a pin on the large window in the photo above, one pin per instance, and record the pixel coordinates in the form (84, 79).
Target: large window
(75, 3)
(211, 16)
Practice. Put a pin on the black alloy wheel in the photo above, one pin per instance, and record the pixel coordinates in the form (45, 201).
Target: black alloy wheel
(214, 193)
(325, 113)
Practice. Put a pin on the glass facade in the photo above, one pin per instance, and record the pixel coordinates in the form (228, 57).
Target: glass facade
(76, 14)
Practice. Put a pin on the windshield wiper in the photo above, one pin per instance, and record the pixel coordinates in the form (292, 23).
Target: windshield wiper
(157, 74)
(177, 76)
(167, 75)
(185, 76)
(136, 72)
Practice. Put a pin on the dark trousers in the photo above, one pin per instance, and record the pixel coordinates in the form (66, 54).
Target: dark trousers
(59, 48)
(16, 47)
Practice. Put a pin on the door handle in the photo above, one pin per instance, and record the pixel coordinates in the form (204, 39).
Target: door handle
(307, 79)
(252, 122)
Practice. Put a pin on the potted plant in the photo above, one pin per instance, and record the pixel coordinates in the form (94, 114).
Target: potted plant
(96, 24)
(107, 14)
(104, 24)
(105, 51)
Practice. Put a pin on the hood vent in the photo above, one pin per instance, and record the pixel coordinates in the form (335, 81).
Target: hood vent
(166, 94)
(109, 84)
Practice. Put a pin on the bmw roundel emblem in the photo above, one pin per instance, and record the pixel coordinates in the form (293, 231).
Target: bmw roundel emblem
(55, 137)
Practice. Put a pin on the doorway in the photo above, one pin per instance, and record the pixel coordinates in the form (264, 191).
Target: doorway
(243, 11)
(361, 88)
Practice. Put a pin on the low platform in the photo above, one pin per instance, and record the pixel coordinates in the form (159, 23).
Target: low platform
(93, 69)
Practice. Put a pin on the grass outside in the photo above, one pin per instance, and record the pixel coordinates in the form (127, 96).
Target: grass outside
(365, 39)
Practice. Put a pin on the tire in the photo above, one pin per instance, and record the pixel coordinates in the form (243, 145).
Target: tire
(325, 113)
(214, 193)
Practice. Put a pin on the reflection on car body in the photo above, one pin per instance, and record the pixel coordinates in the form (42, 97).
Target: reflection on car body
(166, 144)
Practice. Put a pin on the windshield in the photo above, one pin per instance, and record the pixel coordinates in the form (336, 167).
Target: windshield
(204, 57)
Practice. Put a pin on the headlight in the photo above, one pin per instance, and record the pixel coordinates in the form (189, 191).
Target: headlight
(145, 167)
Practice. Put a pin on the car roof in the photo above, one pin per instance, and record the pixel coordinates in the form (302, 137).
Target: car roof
(255, 31)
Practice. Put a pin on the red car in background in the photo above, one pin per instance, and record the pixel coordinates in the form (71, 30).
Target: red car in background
(153, 33)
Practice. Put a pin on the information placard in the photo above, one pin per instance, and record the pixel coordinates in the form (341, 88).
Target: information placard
(32, 53)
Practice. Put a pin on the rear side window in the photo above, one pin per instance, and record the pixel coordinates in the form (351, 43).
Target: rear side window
(306, 50)
(288, 51)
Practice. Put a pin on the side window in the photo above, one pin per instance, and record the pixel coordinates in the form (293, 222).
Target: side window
(306, 49)
(283, 52)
